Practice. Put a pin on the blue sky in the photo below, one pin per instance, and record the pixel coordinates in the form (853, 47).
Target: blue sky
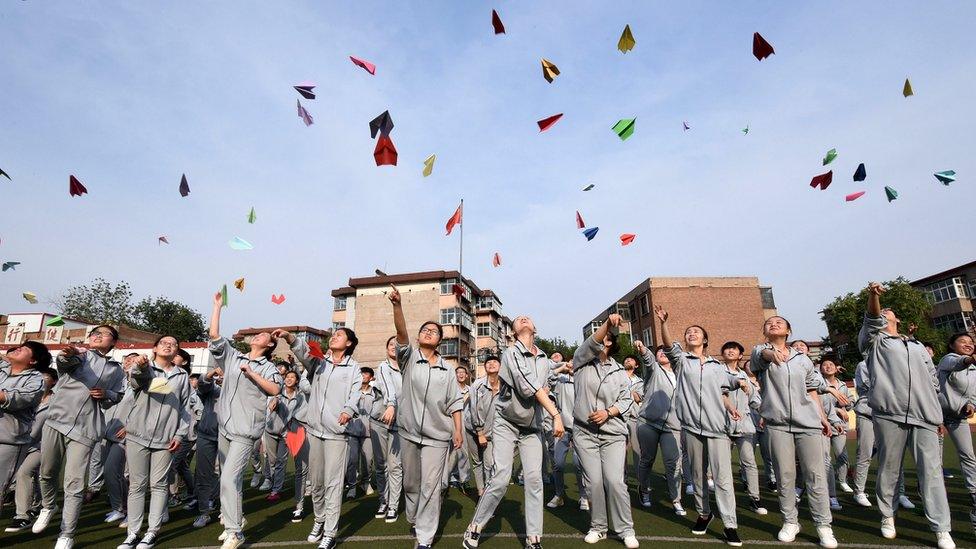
(128, 96)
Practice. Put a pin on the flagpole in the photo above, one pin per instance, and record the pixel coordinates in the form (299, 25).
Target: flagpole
(461, 247)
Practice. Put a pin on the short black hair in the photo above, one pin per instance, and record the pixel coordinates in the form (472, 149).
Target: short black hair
(704, 334)
(40, 354)
(389, 340)
(440, 329)
(492, 357)
(115, 333)
(954, 337)
(368, 370)
(353, 340)
(633, 356)
(614, 345)
(186, 357)
(733, 345)
(130, 354)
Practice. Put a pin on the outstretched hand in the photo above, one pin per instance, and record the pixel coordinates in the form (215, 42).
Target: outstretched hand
(660, 313)
(394, 295)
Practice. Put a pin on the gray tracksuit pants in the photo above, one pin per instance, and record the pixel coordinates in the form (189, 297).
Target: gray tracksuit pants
(748, 471)
(25, 497)
(233, 455)
(763, 439)
(633, 442)
(685, 464)
(205, 474)
(11, 455)
(423, 468)
(477, 459)
(301, 474)
(893, 439)
(148, 470)
(114, 467)
(458, 462)
(786, 448)
(96, 468)
(649, 439)
(962, 437)
(835, 460)
(277, 455)
(55, 450)
(865, 453)
(181, 468)
(327, 460)
(506, 439)
(386, 454)
(562, 447)
(360, 448)
(715, 455)
(603, 459)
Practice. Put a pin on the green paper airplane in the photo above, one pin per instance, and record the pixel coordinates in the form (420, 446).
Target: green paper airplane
(56, 321)
(946, 177)
(745, 130)
(624, 128)
(891, 193)
(223, 293)
(252, 217)
(831, 155)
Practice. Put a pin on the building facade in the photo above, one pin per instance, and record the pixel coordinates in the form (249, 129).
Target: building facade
(951, 293)
(474, 325)
(729, 308)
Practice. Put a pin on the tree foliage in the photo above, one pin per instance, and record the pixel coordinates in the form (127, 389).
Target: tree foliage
(556, 345)
(164, 316)
(845, 315)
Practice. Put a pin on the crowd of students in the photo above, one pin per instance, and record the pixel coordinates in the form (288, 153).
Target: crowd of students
(135, 428)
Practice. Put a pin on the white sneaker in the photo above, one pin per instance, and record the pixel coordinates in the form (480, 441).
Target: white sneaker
(255, 481)
(888, 528)
(835, 505)
(555, 502)
(630, 542)
(369, 490)
(68, 543)
(678, 509)
(905, 503)
(43, 518)
(846, 487)
(945, 540)
(594, 537)
(114, 516)
(711, 484)
(124, 524)
(223, 535)
(201, 521)
(689, 489)
(787, 534)
(861, 499)
(233, 542)
(645, 499)
(585, 505)
(827, 539)
(266, 485)
(165, 517)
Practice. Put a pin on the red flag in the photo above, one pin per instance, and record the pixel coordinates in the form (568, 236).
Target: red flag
(454, 220)
(579, 221)
(496, 261)
(315, 350)
(458, 291)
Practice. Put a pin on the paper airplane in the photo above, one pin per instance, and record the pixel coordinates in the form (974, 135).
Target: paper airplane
(760, 47)
(278, 299)
(627, 238)
(162, 240)
(579, 221)
(10, 266)
(251, 216)
(429, 165)
(549, 70)
(745, 130)
(306, 90)
(830, 156)
(385, 153)
(547, 123)
(369, 67)
(860, 174)
(75, 188)
(315, 350)
(626, 42)
(295, 440)
(907, 90)
(239, 243)
(686, 126)
(223, 293)
(823, 180)
(303, 114)
(891, 193)
(590, 233)
(30, 297)
(382, 124)
(55, 321)
(159, 386)
(239, 284)
(624, 128)
(496, 23)
(184, 186)
(3, 173)
(946, 177)
(496, 260)
(589, 187)
(854, 196)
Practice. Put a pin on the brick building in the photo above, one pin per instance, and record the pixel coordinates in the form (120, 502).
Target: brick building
(952, 293)
(474, 325)
(730, 308)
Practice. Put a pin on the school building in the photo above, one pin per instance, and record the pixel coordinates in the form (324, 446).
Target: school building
(951, 293)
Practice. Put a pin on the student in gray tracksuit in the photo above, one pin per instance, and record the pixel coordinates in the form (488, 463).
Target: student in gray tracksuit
(458, 465)
(701, 405)
(630, 365)
(112, 449)
(360, 442)
(21, 390)
(385, 435)
(603, 400)
(957, 381)
(835, 451)
(866, 440)
(796, 426)
(564, 391)
(283, 411)
(90, 382)
(248, 380)
(658, 426)
(742, 431)
(430, 421)
(180, 471)
(207, 487)
(332, 405)
(906, 412)
(25, 497)
(522, 401)
(156, 424)
(480, 419)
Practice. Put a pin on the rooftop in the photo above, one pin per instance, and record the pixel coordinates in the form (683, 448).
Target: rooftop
(938, 276)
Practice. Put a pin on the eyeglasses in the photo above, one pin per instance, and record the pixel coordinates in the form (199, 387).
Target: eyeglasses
(168, 344)
(100, 334)
(429, 331)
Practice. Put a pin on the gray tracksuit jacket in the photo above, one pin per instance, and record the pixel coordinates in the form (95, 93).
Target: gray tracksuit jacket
(23, 393)
(522, 374)
(904, 385)
(209, 393)
(335, 389)
(243, 407)
(283, 418)
(657, 408)
(564, 391)
(830, 404)
(636, 386)
(481, 407)
(429, 398)
(37, 427)
(600, 386)
(389, 384)
(745, 403)
(359, 426)
(862, 384)
(698, 396)
(957, 383)
(196, 410)
(786, 406)
(71, 409)
(114, 416)
(155, 419)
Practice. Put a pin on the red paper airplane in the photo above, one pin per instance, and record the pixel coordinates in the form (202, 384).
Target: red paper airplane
(579, 221)
(75, 188)
(385, 153)
(294, 440)
(278, 299)
(370, 68)
(315, 350)
(162, 240)
(496, 22)
(823, 180)
(627, 238)
(854, 196)
(496, 261)
(547, 123)
(184, 186)
(760, 47)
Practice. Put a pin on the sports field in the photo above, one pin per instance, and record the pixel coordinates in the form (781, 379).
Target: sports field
(270, 525)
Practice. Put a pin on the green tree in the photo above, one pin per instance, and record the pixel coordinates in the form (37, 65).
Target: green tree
(164, 316)
(556, 345)
(98, 302)
(624, 347)
(845, 315)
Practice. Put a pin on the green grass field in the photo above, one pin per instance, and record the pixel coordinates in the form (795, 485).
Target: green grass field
(270, 525)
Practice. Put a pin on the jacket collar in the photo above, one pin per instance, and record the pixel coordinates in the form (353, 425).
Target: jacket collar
(524, 351)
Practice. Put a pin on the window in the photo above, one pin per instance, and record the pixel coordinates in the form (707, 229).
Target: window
(484, 302)
(972, 288)
(645, 308)
(449, 316)
(632, 309)
(448, 347)
(955, 322)
(466, 320)
(945, 290)
(484, 329)
(623, 311)
(766, 295)
(646, 338)
(447, 286)
(337, 325)
(340, 303)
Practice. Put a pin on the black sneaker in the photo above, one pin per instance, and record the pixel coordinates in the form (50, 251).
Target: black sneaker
(732, 537)
(391, 515)
(423, 546)
(17, 525)
(535, 545)
(296, 515)
(316, 533)
(328, 542)
(701, 525)
(380, 511)
(413, 530)
(470, 539)
(772, 486)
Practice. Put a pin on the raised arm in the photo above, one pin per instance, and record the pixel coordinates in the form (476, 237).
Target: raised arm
(662, 315)
(874, 299)
(218, 302)
(398, 321)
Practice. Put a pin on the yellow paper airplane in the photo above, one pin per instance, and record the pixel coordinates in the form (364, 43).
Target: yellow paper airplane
(907, 90)
(239, 284)
(30, 297)
(429, 164)
(159, 386)
(549, 70)
(626, 42)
